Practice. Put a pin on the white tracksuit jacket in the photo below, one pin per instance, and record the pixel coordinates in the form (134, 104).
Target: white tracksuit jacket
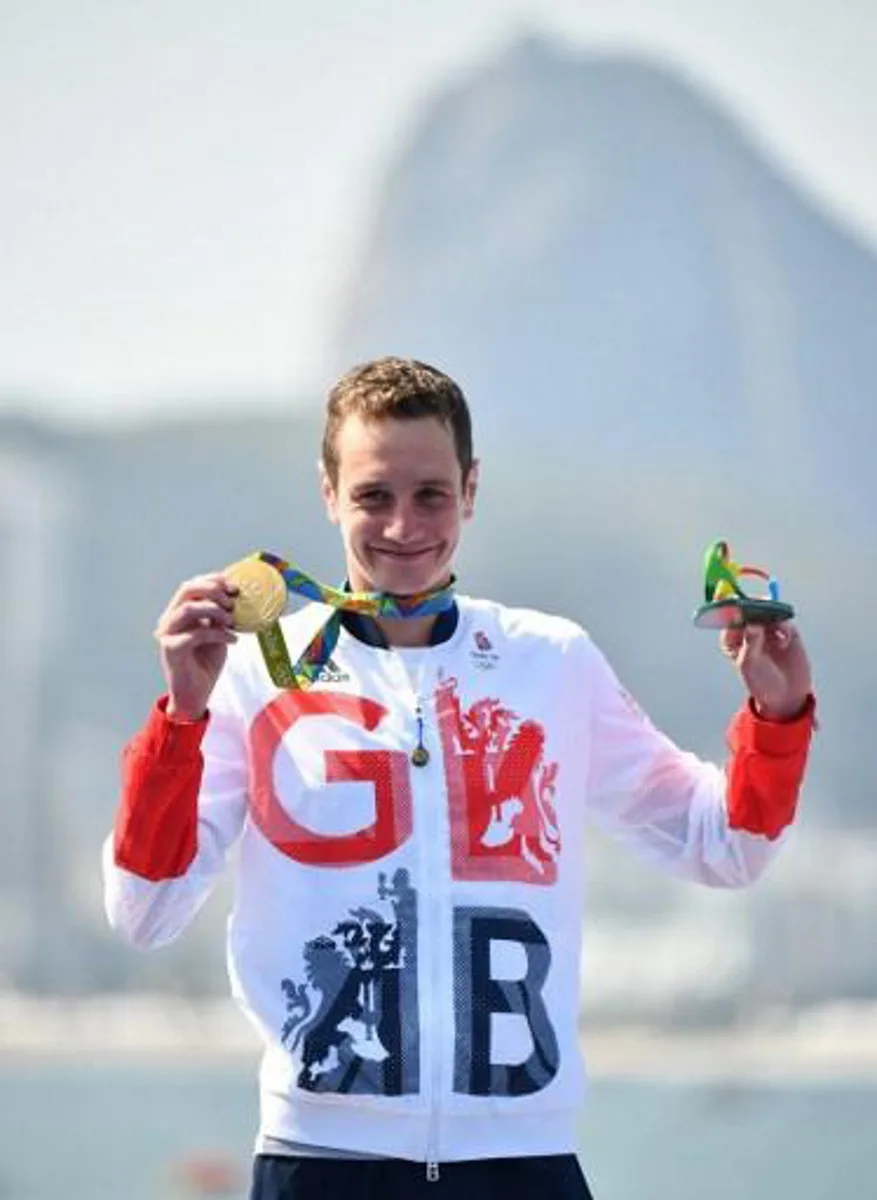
(406, 939)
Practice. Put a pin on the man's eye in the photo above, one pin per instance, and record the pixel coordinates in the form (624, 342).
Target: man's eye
(431, 496)
(373, 498)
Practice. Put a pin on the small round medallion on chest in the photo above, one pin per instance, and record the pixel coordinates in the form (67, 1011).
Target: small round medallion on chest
(420, 756)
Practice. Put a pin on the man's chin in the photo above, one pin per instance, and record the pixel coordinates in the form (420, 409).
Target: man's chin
(409, 582)
(406, 588)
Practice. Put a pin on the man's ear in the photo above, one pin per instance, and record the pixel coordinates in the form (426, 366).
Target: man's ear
(470, 489)
(330, 496)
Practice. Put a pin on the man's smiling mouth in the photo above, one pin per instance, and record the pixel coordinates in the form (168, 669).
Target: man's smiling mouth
(404, 553)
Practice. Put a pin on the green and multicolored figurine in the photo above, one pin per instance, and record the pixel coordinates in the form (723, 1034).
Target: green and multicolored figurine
(726, 605)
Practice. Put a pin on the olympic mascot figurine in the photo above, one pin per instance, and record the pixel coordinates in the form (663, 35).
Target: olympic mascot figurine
(726, 605)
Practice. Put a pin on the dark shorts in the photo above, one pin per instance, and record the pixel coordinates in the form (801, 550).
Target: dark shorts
(551, 1177)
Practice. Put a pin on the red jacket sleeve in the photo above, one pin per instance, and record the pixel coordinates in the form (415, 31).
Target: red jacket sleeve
(155, 830)
(766, 769)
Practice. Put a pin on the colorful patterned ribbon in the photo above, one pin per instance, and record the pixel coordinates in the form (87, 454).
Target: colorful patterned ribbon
(307, 668)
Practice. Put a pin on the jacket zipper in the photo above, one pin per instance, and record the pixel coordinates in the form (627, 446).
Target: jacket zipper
(432, 1167)
(436, 928)
(430, 1008)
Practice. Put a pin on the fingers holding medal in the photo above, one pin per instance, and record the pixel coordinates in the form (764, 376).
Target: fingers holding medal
(202, 606)
(204, 618)
(193, 634)
(246, 597)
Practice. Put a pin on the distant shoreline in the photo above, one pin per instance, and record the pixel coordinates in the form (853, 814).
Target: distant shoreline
(834, 1044)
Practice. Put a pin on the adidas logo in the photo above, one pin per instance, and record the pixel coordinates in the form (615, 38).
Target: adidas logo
(332, 673)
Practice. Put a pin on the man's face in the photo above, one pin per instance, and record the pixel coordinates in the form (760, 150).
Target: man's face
(399, 501)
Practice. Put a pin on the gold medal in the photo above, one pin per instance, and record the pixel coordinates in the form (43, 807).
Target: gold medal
(261, 597)
(420, 756)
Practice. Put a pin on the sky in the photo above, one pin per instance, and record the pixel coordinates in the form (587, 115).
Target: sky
(187, 186)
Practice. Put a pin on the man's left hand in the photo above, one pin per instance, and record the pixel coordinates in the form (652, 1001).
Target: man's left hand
(774, 667)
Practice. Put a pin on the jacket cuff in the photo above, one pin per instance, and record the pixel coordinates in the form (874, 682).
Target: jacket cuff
(764, 735)
(170, 739)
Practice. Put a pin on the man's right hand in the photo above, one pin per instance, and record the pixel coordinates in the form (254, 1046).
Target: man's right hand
(193, 634)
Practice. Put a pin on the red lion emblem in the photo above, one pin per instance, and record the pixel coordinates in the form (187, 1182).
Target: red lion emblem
(501, 791)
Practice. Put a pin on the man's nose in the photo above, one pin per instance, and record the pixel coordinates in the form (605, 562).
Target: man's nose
(402, 523)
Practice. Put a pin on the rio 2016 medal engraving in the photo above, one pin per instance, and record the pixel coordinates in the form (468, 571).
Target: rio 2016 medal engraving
(262, 594)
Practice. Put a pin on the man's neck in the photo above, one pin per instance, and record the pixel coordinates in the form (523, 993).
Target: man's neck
(398, 631)
(412, 631)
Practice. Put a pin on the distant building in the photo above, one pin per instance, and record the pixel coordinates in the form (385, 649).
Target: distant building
(34, 504)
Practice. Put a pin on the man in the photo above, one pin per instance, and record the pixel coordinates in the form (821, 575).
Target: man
(405, 933)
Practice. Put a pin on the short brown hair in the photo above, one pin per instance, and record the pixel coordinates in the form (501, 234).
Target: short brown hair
(402, 389)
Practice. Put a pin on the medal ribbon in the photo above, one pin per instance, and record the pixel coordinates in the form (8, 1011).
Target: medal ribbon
(306, 670)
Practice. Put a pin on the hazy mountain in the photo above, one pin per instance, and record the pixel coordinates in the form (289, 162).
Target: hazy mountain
(614, 268)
